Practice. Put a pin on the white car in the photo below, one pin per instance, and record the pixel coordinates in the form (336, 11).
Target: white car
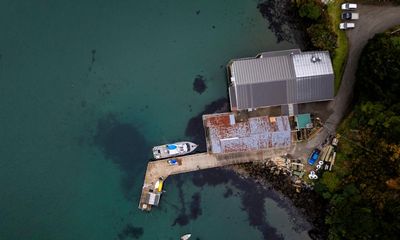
(345, 26)
(349, 6)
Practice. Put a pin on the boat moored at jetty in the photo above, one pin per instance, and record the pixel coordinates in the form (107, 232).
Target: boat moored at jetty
(173, 149)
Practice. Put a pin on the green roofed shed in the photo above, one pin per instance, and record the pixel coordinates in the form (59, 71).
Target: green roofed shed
(303, 121)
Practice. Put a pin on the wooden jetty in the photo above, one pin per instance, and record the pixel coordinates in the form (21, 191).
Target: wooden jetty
(158, 171)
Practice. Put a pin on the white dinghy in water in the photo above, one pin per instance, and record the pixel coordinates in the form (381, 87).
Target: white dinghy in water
(186, 236)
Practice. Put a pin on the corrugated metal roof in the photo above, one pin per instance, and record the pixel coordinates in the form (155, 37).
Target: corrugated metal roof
(260, 70)
(232, 97)
(309, 64)
(153, 198)
(261, 94)
(281, 77)
(252, 134)
(280, 53)
(315, 88)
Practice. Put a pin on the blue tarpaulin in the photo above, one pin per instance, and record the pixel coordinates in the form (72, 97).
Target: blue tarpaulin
(171, 147)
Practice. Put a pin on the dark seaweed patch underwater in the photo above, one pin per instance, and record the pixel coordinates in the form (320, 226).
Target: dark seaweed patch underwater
(123, 144)
(195, 207)
(199, 84)
(130, 232)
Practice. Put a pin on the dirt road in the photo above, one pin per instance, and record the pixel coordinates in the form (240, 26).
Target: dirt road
(373, 19)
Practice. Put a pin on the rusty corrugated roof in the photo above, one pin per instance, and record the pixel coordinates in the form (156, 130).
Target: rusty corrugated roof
(254, 133)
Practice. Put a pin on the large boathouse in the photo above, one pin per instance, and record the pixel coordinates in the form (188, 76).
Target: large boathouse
(280, 78)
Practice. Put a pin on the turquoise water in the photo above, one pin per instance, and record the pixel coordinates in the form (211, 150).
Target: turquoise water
(87, 87)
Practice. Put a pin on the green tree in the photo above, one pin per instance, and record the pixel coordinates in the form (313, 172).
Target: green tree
(322, 37)
(364, 199)
(330, 180)
(310, 10)
(378, 72)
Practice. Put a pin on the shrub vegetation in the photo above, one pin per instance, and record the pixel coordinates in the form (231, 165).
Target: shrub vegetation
(364, 189)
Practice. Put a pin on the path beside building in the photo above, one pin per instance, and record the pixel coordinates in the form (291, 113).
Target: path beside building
(373, 20)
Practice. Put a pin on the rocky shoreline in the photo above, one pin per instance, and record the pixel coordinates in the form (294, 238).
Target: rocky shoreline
(284, 22)
(308, 203)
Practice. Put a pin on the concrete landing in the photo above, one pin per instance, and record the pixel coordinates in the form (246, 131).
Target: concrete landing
(160, 169)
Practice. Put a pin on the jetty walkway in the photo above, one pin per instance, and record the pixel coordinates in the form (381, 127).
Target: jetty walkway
(158, 171)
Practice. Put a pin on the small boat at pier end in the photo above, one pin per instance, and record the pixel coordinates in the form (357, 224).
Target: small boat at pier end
(173, 149)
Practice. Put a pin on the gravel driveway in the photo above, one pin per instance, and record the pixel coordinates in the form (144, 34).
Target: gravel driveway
(373, 19)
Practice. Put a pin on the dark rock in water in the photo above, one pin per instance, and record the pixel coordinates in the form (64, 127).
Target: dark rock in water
(283, 21)
(199, 84)
(197, 12)
(130, 232)
(213, 26)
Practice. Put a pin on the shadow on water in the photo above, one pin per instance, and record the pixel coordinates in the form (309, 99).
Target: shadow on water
(194, 128)
(123, 144)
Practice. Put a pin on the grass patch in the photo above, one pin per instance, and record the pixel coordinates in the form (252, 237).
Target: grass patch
(340, 57)
(396, 40)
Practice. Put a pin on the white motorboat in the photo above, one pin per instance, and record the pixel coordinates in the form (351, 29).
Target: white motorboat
(173, 149)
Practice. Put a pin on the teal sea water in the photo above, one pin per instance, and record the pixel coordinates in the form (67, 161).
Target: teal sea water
(88, 87)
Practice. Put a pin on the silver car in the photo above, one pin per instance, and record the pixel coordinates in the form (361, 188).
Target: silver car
(349, 6)
(344, 26)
